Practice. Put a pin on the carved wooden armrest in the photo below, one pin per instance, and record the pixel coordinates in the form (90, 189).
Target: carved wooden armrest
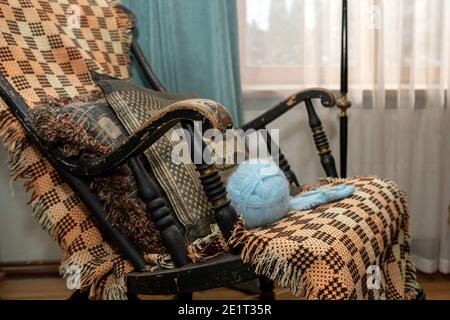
(326, 98)
(211, 113)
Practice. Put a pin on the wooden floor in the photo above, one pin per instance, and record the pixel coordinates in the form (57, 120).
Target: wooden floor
(436, 286)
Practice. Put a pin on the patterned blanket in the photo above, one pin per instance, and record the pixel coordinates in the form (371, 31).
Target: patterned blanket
(48, 49)
(355, 248)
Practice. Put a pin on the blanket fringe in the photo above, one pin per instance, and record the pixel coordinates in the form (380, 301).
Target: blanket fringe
(16, 143)
(116, 291)
(260, 257)
(208, 247)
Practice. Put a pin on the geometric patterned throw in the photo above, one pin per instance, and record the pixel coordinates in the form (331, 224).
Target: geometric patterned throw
(47, 52)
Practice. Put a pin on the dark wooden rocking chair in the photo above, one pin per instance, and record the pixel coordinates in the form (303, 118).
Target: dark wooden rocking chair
(187, 277)
(229, 269)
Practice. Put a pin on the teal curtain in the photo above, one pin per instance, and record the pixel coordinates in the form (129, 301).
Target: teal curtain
(192, 46)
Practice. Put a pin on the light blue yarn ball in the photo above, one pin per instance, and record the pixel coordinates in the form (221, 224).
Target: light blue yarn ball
(259, 191)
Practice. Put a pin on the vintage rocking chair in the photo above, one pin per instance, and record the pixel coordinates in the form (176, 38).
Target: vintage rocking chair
(186, 277)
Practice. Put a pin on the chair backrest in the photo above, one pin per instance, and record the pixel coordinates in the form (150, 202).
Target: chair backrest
(44, 53)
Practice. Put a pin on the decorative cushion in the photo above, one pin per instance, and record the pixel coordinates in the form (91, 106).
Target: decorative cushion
(91, 120)
(91, 128)
(99, 119)
(133, 106)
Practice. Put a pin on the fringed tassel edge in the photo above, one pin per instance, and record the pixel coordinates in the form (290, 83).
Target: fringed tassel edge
(15, 141)
(72, 272)
(117, 291)
(256, 253)
(208, 247)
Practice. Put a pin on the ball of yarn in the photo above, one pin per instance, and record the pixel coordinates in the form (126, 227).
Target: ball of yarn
(259, 191)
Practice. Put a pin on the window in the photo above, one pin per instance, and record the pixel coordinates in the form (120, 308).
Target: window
(393, 45)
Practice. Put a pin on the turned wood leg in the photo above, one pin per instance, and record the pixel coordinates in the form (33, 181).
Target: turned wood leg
(216, 193)
(321, 141)
(161, 215)
(213, 186)
(283, 163)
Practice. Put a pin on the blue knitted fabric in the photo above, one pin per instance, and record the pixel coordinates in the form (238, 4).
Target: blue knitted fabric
(259, 191)
(310, 199)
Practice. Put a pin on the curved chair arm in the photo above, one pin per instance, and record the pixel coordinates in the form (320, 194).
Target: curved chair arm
(211, 113)
(328, 100)
(326, 97)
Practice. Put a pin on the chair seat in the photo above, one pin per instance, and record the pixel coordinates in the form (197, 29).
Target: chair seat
(328, 252)
(217, 272)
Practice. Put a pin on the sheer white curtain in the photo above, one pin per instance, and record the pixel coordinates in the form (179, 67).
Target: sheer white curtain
(399, 55)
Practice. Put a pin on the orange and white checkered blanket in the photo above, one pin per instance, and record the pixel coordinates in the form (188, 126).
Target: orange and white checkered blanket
(47, 50)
